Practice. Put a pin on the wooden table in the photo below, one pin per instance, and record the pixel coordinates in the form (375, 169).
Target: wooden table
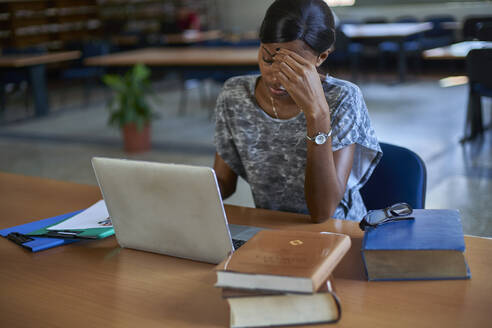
(35, 64)
(385, 32)
(191, 37)
(98, 284)
(455, 51)
(180, 56)
(186, 61)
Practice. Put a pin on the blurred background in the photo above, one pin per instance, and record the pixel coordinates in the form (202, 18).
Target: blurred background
(424, 68)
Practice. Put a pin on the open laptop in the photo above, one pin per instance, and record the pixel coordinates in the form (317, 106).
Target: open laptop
(168, 208)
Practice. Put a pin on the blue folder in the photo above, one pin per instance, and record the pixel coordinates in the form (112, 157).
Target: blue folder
(35, 244)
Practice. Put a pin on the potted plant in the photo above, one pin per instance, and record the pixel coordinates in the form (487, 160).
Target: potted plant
(129, 108)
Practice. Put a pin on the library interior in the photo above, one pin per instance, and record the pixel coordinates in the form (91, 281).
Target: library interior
(151, 82)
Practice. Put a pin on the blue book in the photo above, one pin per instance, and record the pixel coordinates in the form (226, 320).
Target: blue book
(427, 248)
(17, 234)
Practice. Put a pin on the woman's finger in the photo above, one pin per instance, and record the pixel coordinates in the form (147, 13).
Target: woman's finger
(294, 55)
(295, 65)
(285, 82)
(288, 71)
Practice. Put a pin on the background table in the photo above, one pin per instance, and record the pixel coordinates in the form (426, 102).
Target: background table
(35, 63)
(385, 32)
(192, 62)
(97, 283)
(180, 56)
(455, 51)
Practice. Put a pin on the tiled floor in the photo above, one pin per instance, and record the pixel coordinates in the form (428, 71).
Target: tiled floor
(419, 115)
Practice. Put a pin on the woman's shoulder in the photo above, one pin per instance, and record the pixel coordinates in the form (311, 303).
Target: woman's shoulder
(335, 87)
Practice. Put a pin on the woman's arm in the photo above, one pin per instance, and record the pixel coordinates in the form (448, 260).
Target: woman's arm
(327, 172)
(225, 176)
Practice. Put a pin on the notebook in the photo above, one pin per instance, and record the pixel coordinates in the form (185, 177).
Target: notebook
(168, 209)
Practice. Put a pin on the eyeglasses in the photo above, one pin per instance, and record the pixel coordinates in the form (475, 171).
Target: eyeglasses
(396, 212)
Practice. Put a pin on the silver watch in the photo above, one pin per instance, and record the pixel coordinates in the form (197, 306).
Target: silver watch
(319, 138)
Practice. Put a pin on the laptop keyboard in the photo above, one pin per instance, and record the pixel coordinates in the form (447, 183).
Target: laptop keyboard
(237, 243)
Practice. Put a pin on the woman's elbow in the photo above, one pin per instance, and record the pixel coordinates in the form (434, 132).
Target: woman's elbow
(322, 215)
(325, 211)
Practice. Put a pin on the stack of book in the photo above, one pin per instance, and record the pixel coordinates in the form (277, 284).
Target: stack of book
(282, 277)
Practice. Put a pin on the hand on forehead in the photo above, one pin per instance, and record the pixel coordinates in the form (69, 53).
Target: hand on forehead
(299, 47)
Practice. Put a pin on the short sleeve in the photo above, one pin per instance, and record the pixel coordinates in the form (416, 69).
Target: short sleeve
(224, 140)
(351, 125)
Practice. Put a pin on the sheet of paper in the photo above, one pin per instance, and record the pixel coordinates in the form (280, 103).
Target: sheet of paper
(96, 216)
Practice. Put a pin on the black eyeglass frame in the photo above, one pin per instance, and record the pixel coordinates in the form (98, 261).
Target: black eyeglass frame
(391, 215)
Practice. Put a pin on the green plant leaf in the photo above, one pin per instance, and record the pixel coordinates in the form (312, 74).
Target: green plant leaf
(129, 103)
(115, 82)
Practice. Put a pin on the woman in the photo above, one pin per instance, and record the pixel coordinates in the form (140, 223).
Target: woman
(302, 140)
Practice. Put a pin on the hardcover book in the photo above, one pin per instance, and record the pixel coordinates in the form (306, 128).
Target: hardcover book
(250, 308)
(429, 247)
(283, 260)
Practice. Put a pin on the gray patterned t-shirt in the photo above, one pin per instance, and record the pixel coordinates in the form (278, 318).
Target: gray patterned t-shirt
(270, 154)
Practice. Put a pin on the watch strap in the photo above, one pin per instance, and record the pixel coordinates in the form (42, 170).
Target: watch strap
(319, 133)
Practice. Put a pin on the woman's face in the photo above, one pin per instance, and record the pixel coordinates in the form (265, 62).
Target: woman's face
(268, 64)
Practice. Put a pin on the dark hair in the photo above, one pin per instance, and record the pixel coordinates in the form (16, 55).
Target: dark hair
(308, 20)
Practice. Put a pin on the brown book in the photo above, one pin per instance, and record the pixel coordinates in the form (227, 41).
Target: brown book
(283, 260)
(250, 308)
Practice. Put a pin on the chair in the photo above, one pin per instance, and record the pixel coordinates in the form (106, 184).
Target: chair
(400, 176)
(411, 44)
(479, 72)
(438, 36)
(192, 77)
(79, 71)
(17, 78)
(470, 26)
(484, 32)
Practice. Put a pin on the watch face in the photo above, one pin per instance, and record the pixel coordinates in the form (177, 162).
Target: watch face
(320, 139)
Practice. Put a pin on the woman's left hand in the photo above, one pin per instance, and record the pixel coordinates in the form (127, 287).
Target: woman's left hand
(302, 81)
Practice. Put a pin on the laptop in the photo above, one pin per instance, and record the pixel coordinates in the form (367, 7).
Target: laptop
(169, 209)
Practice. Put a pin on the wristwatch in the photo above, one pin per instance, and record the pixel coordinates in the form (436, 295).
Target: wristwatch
(319, 138)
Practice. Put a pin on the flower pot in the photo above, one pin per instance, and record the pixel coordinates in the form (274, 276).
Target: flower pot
(136, 141)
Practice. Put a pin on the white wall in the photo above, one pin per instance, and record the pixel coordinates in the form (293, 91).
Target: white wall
(246, 15)
(457, 9)
(241, 15)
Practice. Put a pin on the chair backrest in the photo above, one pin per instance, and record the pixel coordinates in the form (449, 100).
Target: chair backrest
(400, 176)
(406, 19)
(437, 29)
(470, 26)
(479, 67)
(375, 20)
(484, 32)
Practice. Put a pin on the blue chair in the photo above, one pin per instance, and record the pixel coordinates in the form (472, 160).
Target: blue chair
(17, 76)
(400, 176)
(192, 77)
(411, 45)
(471, 26)
(438, 36)
(79, 71)
(479, 72)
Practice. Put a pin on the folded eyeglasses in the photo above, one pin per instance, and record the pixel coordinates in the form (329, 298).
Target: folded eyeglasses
(396, 212)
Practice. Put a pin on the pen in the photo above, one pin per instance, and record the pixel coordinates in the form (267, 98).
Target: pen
(105, 222)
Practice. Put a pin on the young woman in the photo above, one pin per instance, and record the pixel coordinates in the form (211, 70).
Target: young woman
(302, 140)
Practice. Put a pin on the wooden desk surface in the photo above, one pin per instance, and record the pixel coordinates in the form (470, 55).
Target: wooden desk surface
(190, 36)
(37, 59)
(189, 56)
(455, 51)
(386, 30)
(96, 283)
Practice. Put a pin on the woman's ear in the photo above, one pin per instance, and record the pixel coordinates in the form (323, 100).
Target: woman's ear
(322, 56)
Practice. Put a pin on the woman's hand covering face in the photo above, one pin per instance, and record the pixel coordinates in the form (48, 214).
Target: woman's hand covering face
(301, 80)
